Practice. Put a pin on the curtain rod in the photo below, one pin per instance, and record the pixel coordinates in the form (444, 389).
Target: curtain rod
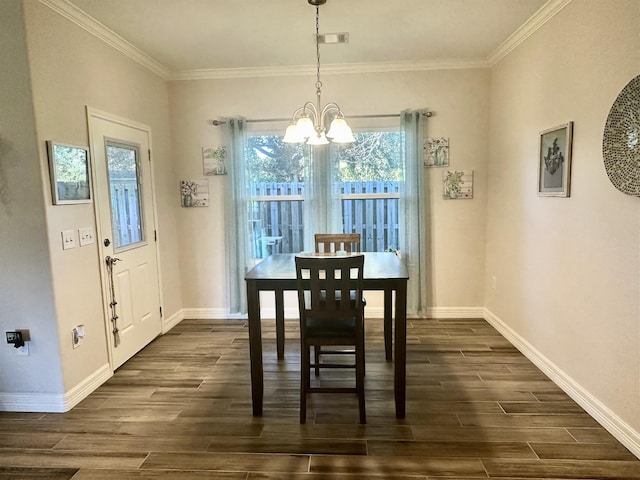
(215, 123)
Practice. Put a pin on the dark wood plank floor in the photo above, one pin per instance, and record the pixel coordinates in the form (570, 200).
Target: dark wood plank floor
(181, 409)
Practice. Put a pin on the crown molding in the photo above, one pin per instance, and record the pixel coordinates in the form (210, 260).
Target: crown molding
(88, 23)
(542, 16)
(331, 69)
(97, 29)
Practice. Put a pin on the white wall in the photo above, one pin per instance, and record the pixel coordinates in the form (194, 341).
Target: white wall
(70, 69)
(460, 100)
(26, 294)
(567, 268)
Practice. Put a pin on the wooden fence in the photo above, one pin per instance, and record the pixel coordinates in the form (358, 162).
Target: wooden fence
(125, 212)
(368, 208)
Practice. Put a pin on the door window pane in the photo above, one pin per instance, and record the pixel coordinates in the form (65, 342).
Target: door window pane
(124, 189)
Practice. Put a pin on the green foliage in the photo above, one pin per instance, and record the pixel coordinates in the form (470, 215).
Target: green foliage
(272, 160)
(375, 156)
(71, 164)
(122, 161)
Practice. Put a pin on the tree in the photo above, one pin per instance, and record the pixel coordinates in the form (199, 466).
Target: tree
(375, 156)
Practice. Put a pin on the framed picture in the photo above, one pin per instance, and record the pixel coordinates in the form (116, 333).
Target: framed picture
(457, 184)
(213, 160)
(194, 193)
(436, 152)
(554, 161)
(70, 175)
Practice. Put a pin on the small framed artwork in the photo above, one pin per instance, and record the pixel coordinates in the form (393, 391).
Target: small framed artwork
(213, 160)
(194, 193)
(436, 152)
(457, 184)
(554, 161)
(69, 172)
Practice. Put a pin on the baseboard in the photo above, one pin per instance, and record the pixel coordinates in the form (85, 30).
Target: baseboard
(455, 312)
(617, 427)
(292, 313)
(55, 403)
(210, 314)
(170, 322)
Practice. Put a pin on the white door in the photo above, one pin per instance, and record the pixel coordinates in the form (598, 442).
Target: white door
(126, 233)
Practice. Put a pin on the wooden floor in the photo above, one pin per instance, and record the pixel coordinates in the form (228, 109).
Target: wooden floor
(181, 409)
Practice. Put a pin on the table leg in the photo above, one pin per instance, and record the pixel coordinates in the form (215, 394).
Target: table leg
(388, 325)
(400, 377)
(280, 323)
(255, 347)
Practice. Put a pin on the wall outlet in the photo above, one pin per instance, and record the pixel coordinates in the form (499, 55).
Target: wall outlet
(23, 350)
(68, 239)
(494, 282)
(86, 236)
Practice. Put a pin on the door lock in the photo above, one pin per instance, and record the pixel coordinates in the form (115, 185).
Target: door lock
(106, 242)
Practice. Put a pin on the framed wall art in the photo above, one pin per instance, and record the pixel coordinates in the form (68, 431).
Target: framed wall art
(194, 193)
(213, 160)
(70, 173)
(436, 152)
(457, 184)
(554, 161)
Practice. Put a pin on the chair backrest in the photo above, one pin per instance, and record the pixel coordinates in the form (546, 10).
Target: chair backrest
(334, 242)
(330, 287)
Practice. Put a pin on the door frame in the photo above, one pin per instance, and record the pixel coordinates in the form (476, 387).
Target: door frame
(93, 113)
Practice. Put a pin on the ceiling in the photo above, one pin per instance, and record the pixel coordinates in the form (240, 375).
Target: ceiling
(187, 37)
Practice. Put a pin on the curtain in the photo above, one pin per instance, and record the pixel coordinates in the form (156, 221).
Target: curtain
(322, 201)
(238, 229)
(413, 212)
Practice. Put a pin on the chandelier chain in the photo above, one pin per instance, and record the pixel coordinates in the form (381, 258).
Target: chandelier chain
(318, 82)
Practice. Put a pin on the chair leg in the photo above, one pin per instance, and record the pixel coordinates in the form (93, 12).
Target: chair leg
(360, 381)
(317, 352)
(304, 381)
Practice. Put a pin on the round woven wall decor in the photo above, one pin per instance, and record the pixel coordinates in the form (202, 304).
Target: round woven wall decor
(621, 140)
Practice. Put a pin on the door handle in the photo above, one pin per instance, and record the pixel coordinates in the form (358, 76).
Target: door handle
(111, 260)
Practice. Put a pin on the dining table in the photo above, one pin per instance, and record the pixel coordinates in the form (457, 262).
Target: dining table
(383, 271)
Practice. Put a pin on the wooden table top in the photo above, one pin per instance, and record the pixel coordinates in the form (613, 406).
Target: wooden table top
(377, 266)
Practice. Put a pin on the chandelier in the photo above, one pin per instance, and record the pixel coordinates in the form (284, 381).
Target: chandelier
(308, 122)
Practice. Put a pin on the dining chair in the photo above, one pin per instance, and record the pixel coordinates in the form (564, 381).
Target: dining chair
(336, 242)
(329, 317)
(332, 243)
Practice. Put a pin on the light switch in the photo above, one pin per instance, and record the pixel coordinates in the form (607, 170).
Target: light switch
(68, 239)
(86, 236)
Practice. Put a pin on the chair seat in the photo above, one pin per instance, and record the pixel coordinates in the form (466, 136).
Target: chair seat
(331, 328)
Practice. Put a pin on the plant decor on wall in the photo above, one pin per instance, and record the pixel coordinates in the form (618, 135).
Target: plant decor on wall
(436, 152)
(194, 193)
(457, 184)
(213, 160)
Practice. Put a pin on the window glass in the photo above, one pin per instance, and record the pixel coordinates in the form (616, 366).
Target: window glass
(126, 211)
(370, 172)
(367, 175)
(276, 173)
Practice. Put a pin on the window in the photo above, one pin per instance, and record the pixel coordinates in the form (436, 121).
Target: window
(361, 181)
(126, 212)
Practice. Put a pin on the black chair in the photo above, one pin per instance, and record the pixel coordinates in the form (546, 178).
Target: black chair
(329, 317)
(328, 243)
